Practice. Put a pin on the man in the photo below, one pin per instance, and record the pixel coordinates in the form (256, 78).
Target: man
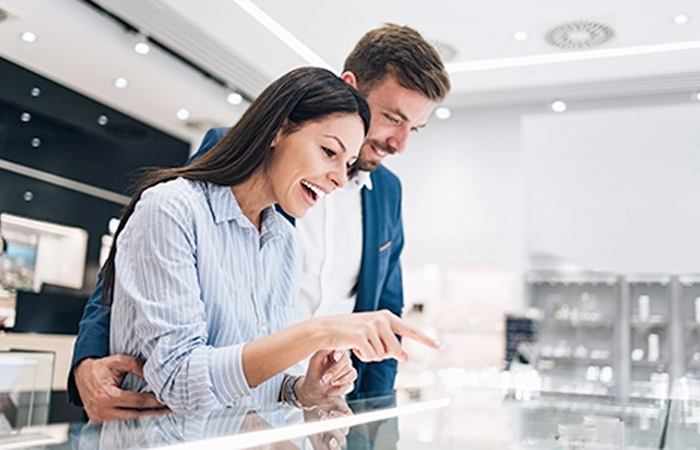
(352, 240)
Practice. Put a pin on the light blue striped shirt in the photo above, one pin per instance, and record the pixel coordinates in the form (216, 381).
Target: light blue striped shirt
(195, 280)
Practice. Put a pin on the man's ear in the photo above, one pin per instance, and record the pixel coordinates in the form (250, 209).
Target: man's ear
(349, 78)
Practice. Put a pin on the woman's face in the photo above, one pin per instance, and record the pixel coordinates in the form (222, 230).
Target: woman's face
(312, 161)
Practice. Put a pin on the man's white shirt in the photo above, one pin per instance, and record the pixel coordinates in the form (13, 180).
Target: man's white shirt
(331, 236)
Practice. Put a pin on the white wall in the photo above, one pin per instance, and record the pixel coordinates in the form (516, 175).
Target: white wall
(463, 190)
(615, 189)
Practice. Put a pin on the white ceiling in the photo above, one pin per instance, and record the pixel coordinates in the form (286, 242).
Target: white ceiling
(86, 50)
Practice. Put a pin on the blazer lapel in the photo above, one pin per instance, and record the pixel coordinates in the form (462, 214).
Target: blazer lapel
(367, 283)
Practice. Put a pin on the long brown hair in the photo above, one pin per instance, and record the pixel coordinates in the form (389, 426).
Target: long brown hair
(302, 95)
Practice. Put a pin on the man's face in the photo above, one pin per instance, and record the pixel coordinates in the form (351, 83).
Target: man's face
(396, 112)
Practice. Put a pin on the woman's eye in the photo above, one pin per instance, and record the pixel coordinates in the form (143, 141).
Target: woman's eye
(329, 152)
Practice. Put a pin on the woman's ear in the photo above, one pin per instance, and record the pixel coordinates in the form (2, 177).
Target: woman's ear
(279, 134)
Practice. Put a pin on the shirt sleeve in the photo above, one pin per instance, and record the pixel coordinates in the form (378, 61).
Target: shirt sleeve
(158, 296)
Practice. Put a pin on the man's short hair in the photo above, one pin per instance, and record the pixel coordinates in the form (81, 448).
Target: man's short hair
(402, 52)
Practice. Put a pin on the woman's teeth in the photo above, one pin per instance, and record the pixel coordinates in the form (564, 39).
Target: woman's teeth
(316, 190)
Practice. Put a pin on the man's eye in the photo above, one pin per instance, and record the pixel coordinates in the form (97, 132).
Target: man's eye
(392, 120)
(329, 152)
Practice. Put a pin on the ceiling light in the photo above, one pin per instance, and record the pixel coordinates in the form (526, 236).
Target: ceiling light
(142, 48)
(520, 36)
(182, 114)
(35, 92)
(121, 83)
(285, 36)
(446, 51)
(29, 37)
(681, 19)
(697, 96)
(558, 106)
(584, 55)
(102, 120)
(234, 98)
(442, 113)
(25, 117)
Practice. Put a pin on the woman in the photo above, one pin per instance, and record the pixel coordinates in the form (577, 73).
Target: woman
(204, 271)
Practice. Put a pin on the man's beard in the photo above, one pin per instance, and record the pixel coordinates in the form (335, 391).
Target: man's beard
(370, 165)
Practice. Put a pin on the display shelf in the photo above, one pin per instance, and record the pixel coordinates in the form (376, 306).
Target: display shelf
(578, 311)
(576, 323)
(573, 360)
(647, 363)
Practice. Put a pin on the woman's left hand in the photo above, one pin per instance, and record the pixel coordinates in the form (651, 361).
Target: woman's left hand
(330, 374)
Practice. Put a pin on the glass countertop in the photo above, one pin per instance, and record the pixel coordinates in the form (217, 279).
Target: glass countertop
(440, 416)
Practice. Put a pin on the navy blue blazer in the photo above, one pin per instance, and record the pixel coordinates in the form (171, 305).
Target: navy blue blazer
(379, 284)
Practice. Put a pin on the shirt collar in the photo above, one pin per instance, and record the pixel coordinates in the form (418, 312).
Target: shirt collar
(225, 207)
(359, 180)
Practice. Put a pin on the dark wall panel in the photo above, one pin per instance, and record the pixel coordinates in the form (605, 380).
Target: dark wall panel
(48, 127)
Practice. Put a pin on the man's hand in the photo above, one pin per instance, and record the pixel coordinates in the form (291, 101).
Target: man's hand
(98, 382)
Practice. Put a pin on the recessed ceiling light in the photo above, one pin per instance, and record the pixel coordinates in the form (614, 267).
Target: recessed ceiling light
(102, 120)
(697, 96)
(442, 113)
(182, 114)
(681, 19)
(558, 106)
(25, 117)
(234, 98)
(28, 36)
(35, 92)
(121, 83)
(142, 48)
(520, 36)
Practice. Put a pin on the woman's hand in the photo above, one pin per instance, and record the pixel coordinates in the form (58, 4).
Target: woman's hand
(330, 374)
(372, 335)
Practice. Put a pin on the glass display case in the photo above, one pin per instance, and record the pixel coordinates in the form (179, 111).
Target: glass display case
(650, 321)
(577, 324)
(428, 417)
(25, 388)
(689, 314)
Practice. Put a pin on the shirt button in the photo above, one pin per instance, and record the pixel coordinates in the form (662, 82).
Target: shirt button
(166, 339)
(235, 396)
(263, 328)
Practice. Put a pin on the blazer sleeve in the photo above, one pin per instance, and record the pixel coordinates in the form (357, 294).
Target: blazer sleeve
(93, 337)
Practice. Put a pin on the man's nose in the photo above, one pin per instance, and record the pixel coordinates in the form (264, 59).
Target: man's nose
(399, 140)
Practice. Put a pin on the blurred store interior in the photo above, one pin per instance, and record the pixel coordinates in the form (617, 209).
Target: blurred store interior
(551, 208)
